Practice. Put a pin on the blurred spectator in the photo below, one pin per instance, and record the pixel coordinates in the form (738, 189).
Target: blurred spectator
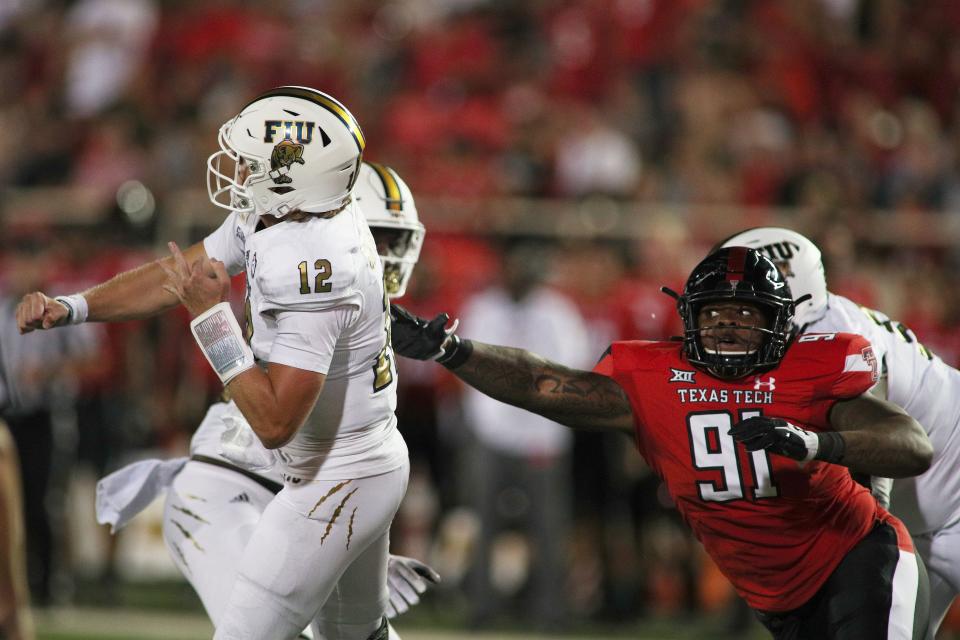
(37, 378)
(16, 620)
(107, 42)
(522, 473)
(593, 158)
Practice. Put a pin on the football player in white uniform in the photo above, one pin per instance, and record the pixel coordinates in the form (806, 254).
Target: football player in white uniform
(913, 378)
(324, 402)
(217, 497)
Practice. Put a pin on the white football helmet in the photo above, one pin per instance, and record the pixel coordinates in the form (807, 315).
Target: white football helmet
(292, 148)
(798, 259)
(386, 201)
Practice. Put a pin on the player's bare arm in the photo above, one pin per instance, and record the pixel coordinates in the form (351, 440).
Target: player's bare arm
(137, 293)
(275, 402)
(880, 438)
(576, 398)
(871, 436)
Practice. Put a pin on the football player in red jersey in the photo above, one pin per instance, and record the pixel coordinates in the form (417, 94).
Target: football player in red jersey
(751, 428)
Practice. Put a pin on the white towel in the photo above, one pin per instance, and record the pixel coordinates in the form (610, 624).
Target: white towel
(128, 491)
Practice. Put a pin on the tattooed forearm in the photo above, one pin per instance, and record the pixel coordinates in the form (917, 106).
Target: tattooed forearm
(580, 399)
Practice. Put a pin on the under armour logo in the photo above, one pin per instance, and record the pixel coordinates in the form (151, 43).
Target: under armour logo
(758, 383)
(682, 376)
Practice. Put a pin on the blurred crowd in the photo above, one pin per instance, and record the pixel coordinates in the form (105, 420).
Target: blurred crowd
(842, 112)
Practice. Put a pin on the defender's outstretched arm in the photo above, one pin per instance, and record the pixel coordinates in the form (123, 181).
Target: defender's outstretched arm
(576, 398)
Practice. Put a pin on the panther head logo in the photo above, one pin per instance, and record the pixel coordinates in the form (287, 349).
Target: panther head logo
(282, 158)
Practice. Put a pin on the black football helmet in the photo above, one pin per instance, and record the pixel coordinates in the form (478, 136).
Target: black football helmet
(740, 274)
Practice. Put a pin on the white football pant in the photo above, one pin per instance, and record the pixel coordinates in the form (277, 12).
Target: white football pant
(209, 515)
(320, 550)
(940, 551)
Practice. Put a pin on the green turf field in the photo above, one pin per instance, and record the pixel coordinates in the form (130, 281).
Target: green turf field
(127, 624)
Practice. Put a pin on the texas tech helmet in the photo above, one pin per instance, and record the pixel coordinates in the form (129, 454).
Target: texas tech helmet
(799, 260)
(743, 275)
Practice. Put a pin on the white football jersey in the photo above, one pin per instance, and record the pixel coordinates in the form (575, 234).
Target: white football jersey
(315, 301)
(927, 389)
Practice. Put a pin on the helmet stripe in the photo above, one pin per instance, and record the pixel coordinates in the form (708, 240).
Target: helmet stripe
(736, 263)
(323, 100)
(390, 186)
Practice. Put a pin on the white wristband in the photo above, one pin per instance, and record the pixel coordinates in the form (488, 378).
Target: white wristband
(217, 332)
(77, 308)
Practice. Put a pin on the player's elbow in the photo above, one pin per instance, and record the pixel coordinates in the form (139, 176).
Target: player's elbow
(918, 453)
(275, 435)
(922, 454)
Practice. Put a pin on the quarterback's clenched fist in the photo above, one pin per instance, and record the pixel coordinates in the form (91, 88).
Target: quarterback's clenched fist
(39, 311)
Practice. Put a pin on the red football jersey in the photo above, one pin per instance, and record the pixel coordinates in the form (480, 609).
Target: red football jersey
(776, 528)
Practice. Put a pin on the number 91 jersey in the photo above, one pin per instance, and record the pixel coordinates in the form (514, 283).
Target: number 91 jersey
(315, 301)
(775, 527)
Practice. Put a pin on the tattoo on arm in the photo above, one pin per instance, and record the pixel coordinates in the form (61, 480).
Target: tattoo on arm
(576, 398)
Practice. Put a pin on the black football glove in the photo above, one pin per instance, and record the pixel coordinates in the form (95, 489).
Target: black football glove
(776, 435)
(414, 337)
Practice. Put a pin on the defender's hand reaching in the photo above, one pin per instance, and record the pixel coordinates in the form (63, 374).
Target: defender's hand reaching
(198, 286)
(414, 337)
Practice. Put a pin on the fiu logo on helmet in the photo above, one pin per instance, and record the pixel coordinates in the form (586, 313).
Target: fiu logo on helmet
(298, 131)
(781, 253)
(283, 157)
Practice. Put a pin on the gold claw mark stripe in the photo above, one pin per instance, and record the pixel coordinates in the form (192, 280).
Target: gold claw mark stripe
(329, 493)
(188, 536)
(187, 512)
(325, 101)
(336, 514)
(391, 187)
(353, 517)
(180, 555)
